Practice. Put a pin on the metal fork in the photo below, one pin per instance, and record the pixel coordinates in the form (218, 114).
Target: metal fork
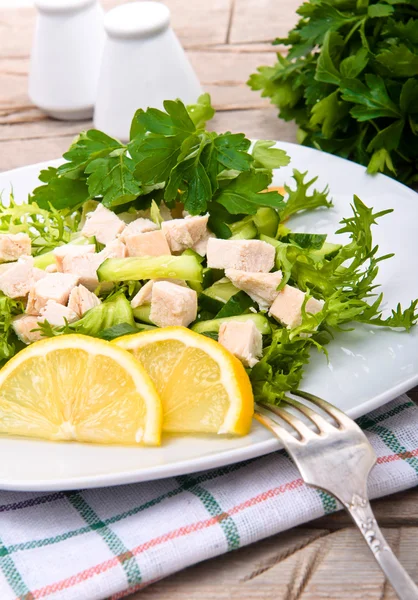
(337, 458)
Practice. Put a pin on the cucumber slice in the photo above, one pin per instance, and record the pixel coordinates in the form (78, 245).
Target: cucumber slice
(328, 250)
(214, 298)
(267, 221)
(212, 326)
(243, 230)
(142, 313)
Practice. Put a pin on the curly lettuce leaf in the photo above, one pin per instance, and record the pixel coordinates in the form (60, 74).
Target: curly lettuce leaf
(9, 343)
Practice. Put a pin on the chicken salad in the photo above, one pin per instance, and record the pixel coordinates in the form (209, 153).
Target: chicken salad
(181, 228)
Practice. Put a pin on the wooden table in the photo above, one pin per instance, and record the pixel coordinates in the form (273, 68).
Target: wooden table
(225, 40)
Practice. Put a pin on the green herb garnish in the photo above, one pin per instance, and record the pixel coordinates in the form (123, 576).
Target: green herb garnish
(350, 82)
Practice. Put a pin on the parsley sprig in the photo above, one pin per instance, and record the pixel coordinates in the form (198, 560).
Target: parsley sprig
(350, 81)
(171, 157)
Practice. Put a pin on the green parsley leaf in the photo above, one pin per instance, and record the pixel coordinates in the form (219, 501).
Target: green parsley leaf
(244, 195)
(174, 121)
(190, 177)
(326, 70)
(409, 97)
(88, 146)
(269, 157)
(372, 99)
(231, 151)
(388, 138)
(155, 156)
(399, 61)
(324, 18)
(201, 112)
(405, 31)
(353, 65)
(60, 192)
(113, 178)
(328, 113)
(380, 161)
(379, 10)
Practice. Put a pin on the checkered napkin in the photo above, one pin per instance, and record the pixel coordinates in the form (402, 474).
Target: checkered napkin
(107, 543)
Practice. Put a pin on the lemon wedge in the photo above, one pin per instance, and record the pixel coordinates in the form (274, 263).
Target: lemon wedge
(75, 387)
(203, 388)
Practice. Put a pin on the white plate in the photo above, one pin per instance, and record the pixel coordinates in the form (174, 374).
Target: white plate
(367, 367)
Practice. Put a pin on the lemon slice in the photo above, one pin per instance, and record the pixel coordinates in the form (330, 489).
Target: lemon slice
(203, 388)
(75, 387)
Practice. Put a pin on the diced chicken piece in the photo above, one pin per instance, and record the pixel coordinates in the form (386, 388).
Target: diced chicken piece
(287, 307)
(23, 326)
(185, 233)
(38, 274)
(140, 225)
(14, 245)
(243, 340)
(152, 243)
(81, 300)
(115, 249)
(201, 246)
(245, 255)
(172, 304)
(55, 286)
(71, 250)
(57, 314)
(4, 267)
(145, 293)
(84, 267)
(103, 224)
(16, 280)
(261, 287)
(51, 269)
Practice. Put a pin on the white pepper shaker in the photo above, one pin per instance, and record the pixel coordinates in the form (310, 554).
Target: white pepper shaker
(143, 64)
(66, 55)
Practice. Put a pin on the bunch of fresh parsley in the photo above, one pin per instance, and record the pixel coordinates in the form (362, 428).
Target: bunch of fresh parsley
(170, 157)
(350, 81)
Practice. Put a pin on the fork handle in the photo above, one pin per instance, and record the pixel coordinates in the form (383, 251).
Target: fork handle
(363, 516)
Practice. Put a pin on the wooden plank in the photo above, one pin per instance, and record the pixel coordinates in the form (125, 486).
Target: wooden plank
(194, 24)
(296, 565)
(257, 123)
(222, 74)
(262, 20)
(17, 153)
(34, 126)
(226, 577)
(36, 139)
(396, 510)
(13, 84)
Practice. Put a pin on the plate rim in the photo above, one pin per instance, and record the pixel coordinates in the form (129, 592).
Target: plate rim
(220, 458)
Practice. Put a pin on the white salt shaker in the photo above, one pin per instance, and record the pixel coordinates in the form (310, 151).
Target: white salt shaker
(143, 64)
(66, 55)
